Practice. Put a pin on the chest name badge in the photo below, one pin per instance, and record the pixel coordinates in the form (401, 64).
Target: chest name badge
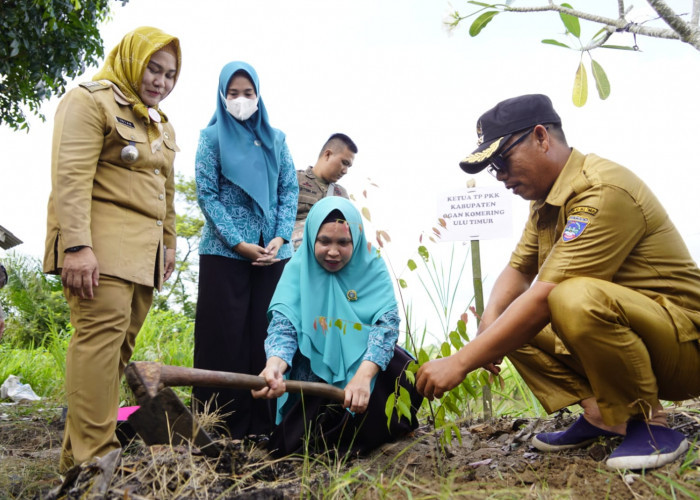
(125, 122)
(575, 225)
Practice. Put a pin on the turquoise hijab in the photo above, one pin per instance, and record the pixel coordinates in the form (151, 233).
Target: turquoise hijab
(250, 150)
(333, 312)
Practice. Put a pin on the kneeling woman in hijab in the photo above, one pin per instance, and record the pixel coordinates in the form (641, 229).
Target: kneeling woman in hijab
(334, 319)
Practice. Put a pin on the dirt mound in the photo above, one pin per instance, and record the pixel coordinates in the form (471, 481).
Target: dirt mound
(494, 460)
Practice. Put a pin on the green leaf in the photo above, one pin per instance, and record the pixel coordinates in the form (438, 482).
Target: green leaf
(404, 409)
(411, 265)
(423, 356)
(481, 22)
(600, 33)
(462, 329)
(457, 433)
(410, 376)
(423, 252)
(572, 23)
(451, 406)
(440, 417)
(412, 367)
(618, 47)
(468, 387)
(456, 340)
(338, 323)
(601, 80)
(580, 93)
(402, 283)
(389, 409)
(445, 349)
(555, 42)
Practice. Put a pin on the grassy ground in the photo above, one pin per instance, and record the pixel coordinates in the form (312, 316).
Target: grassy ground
(493, 460)
(489, 458)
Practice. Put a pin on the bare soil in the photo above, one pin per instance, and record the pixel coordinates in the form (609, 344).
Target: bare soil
(494, 460)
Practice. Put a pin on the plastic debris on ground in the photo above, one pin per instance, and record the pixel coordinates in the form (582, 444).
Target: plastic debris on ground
(13, 389)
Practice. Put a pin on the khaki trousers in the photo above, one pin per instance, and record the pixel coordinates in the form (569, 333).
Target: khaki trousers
(612, 343)
(105, 333)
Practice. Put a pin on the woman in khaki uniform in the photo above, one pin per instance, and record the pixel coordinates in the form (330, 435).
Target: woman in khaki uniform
(111, 224)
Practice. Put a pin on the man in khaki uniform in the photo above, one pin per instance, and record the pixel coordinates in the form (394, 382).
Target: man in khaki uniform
(111, 225)
(319, 181)
(612, 319)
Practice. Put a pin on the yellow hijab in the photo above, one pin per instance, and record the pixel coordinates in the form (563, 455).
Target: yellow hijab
(126, 63)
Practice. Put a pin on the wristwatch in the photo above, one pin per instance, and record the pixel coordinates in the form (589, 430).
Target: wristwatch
(74, 249)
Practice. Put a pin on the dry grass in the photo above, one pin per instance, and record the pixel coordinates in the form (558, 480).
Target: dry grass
(491, 462)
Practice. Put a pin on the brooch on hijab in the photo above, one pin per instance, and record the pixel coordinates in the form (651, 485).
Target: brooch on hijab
(154, 115)
(351, 295)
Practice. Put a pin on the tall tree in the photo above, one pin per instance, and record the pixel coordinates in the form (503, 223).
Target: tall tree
(42, 44)
(667, 24)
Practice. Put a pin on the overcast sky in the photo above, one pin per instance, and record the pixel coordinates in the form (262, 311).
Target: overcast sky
(409, 93)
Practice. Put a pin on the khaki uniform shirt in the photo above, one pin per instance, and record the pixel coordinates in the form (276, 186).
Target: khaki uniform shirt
(124, 211)
(600, 220)
(311, 190)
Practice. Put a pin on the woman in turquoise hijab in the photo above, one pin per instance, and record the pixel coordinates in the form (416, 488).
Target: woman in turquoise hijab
(247, 190)
(334, 319)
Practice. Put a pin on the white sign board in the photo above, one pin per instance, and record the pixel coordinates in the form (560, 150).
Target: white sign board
(478, 213)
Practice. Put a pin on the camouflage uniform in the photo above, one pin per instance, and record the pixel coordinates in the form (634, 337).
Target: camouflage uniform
(311, 189)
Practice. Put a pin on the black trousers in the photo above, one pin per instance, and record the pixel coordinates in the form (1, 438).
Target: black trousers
(331, 428)
(229, 335)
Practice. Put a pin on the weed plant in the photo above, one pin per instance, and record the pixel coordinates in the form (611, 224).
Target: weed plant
(42, 367)
(166, 337)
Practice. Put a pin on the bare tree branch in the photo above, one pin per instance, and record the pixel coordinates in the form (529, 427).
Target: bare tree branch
(678, 28)
(685, 29)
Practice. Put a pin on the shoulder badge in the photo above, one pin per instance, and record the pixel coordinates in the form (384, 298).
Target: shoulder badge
(583, 209)
(575, 225)
(95, 86)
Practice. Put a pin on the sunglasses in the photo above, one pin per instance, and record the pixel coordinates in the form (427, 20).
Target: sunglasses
(498, 162)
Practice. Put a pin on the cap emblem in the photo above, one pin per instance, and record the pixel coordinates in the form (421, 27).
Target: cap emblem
(480, 156)
(479, 133)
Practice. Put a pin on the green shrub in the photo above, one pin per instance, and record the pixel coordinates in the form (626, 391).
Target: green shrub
(33, 302)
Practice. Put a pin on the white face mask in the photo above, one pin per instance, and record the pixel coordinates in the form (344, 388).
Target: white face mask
(241, 108)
